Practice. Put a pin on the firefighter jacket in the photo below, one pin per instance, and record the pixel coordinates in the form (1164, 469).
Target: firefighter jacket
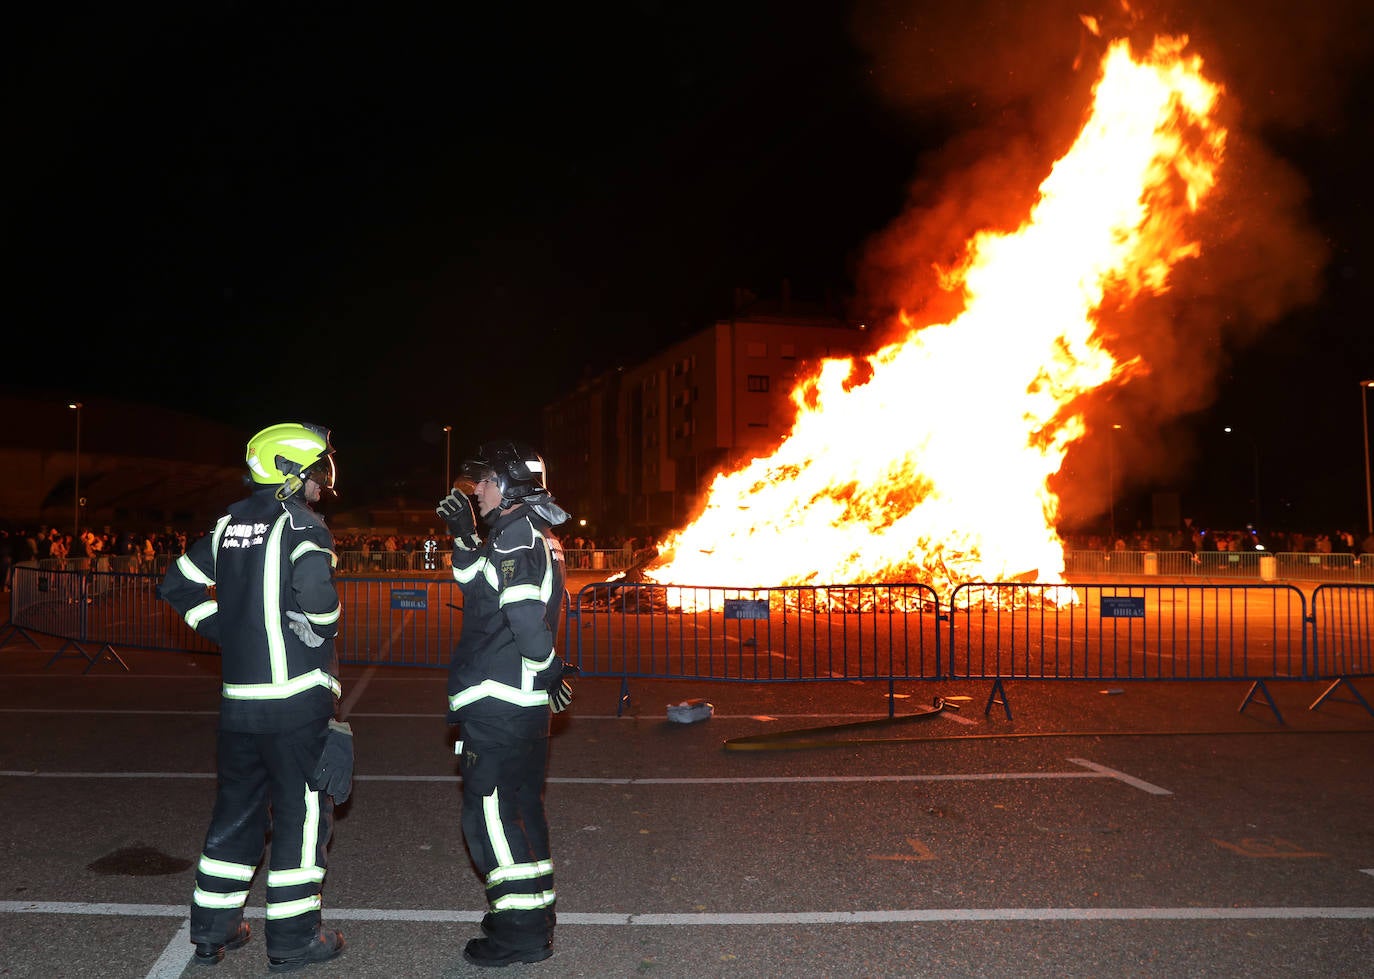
(504, 663)
(263, 559)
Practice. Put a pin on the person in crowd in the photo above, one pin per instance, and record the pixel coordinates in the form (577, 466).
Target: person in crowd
(274, 613)
(79, 552)
(504, 680)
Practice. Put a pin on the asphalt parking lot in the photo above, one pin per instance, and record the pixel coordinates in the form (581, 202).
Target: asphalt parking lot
(1144, 829)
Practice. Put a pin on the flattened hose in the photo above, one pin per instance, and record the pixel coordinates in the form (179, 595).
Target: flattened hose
(796, 740)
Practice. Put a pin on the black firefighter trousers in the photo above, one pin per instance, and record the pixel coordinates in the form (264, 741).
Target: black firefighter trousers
(507, 832)
(264, 784)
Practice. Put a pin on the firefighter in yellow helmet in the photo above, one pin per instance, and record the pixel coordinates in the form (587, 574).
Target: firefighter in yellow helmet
(282, 760)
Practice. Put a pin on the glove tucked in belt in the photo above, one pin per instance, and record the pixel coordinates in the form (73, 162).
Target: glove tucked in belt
(334, 771)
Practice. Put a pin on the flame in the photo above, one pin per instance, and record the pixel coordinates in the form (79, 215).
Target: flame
(936, 467)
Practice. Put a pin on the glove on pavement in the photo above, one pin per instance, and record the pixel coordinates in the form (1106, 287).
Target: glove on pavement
(334, 772)
(298, 624)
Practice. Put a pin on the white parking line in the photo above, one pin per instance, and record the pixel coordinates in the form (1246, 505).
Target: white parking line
(891, 915)
(175, 957)
(1128, 779)
(1095, 771)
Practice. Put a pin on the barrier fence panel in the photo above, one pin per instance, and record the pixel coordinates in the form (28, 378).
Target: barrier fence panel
(356, 562)
(1258, 565)
(1342, 631)
(396, 562)
(1126, 632)
(837, 632)
(1174, 564)
(1336, 568)
(106, 608)
(398, 621)
(126, 612)
(407, 621)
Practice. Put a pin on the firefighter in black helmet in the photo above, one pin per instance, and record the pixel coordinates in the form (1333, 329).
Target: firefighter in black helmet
(274, 613)
(504, 680)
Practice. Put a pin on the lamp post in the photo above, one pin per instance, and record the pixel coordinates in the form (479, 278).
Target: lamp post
(76, 481)
(1254, 453)
(1364, 416)
(448, 472)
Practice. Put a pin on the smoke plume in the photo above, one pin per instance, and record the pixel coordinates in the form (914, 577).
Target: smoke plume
(1010, 84)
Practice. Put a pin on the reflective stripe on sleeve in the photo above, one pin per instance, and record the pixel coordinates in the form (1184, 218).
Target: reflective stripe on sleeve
(538, 665)
(324, 618)
(188, 569)
(306, 547)
(199, 613)
(520, 593)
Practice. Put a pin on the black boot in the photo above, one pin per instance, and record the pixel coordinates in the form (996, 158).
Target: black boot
(483, 951)
(212, 953)
(327, 945)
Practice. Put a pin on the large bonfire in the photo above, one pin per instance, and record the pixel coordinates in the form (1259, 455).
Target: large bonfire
(936, 468)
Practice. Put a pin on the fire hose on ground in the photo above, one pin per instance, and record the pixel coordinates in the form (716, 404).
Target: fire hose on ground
(806, 738)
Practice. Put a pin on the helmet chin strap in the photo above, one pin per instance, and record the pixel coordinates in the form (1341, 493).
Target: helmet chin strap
(289, 488)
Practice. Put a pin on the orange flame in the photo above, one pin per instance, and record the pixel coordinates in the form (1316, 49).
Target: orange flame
(936, 468)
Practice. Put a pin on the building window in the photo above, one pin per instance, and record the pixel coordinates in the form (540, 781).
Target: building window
(788, 351)
(756, 348)
(758, 382)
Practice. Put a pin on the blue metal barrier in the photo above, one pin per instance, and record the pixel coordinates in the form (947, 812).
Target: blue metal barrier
(1127, 632)
(866, 632)
(880, 632)
(1258, 565)
(1342, 631)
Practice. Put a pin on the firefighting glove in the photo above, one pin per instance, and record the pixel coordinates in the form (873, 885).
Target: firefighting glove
(298, 624)
(334, 772)
(560, 696)
(456, 511)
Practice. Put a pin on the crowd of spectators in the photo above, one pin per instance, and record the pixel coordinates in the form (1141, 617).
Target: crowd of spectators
(88, 550)
(148, 553)
(1196, 539)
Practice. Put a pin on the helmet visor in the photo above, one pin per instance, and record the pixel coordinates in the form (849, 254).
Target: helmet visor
(323, 473)
(472, 472)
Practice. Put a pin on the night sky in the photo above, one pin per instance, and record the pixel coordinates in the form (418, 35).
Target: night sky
(391, 220)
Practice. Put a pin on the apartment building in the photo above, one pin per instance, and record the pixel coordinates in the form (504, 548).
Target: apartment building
(633, 450)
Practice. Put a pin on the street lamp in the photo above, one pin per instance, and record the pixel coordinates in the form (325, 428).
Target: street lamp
(1254, 451)
(448, 472)
(1364, 415)
(76, 481)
